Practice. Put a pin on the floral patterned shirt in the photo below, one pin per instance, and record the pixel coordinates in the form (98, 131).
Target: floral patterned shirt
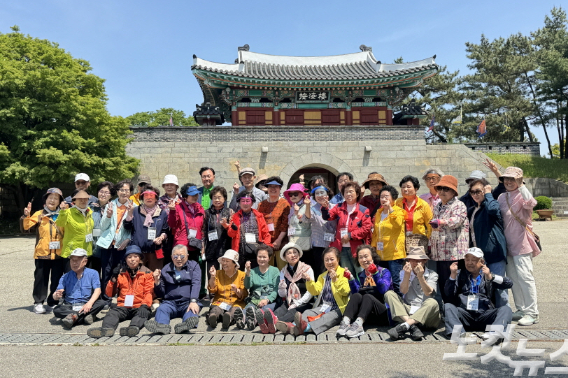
(450, 242)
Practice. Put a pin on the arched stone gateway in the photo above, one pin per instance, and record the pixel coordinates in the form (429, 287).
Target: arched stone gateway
(317, 160)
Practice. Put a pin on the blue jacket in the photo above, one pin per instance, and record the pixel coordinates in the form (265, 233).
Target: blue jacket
(382, 278)
(489, 231)
(182, 290)
(469, 202)
(139, 232)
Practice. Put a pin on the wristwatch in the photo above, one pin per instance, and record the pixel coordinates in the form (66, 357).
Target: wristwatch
(492, 277)
(194, 301)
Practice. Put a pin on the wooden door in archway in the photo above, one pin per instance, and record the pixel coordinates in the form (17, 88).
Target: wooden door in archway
(310, 172)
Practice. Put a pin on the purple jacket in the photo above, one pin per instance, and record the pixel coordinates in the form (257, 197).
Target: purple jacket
(182, 290)
(382, 279)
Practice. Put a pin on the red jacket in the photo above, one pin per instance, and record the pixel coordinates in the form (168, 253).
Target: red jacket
(358, 225)
(177, 219)
(142, 287)
(263, 234)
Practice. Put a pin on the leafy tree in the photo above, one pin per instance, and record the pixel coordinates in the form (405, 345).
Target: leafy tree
(161, 117)
(54, 120)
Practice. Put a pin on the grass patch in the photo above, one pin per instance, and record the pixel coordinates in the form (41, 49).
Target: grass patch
(534, 166)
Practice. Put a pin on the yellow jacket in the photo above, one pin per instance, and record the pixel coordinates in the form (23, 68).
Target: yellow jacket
(340, 288)
(135, 198)
(391, 232)
(46, 232)
(422, 217)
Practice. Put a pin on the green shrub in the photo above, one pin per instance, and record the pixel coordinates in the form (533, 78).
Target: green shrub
(542, 203)
(534, 166)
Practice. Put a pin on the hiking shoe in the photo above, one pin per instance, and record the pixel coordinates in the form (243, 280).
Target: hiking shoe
(97, 333)
(270, 320)
(239, 318)
(355, 330)
(299, 324)
(88, 319)
(157, 328)
(226, 320)
(415, 333)
(343, 326)
(396, 333)
(528, 320)
(130, 331)
(187, 325)
(259, 318)
(284, 327)
(69, 321)
(517, 315)
(212, 320)
(250, 320)
(39, 308)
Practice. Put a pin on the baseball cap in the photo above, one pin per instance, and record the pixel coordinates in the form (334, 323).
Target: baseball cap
(82, 176)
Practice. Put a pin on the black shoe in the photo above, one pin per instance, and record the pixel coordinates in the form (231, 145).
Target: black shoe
(239, 318)
(89, 319)
(226, 320)
(97, 333)
(415, 333)
(212, 320)
(396, 333)
(129, 331)
(158, 328)
(250, 319)
(186, 325)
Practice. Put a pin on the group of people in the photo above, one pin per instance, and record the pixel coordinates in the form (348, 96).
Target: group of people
(294, 261)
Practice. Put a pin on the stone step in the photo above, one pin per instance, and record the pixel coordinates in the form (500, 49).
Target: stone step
(560, 206)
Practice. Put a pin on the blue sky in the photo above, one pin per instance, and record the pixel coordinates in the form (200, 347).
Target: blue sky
(144, 48)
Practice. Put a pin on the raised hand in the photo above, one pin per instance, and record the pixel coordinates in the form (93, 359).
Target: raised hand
(129, 208)
(109, 210)
(212, 271)
(485, 270)
(332, 275)
(487, 189)
(28, 209)
(419, 270)
(454, 270)
(63, 205)
(171, 204)
(157, 275)
(407, 268)
(236, 187)
(492, 166)
(247, 268)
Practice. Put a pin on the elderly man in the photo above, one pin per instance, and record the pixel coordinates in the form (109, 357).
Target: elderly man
(80, 289)
(178, 284)
(247, 177)
(417, 307)
(470, 294)
(208, 180)
(82, 182)
(342, 179)
(133, 283)
(432, 177)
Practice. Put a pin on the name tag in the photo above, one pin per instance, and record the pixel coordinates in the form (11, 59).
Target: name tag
(151, 233)
(270, 226)
(96, 232)
(380, 246)
(291, 231)
(413, 309)
(325, 308)
(192, 233)
(473, 302)
(250, 238)
(54, 245)
(212, 235)
(89, 238)
(328, 237)
(128, 300)
(225, 306)
(77, 306)
(343, 232)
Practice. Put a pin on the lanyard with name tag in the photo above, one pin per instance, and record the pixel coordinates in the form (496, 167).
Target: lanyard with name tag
(473, 302)
(225, 306)
(250, 238)
(192, 233)
(212, 235)
(270, 226)
(96, 232)
(343, 232)
(88, 238)
(151, 233)
(380, 246)
(291, 231)
(328, 237)
(54, 245)
(128, 300)
(325, 308)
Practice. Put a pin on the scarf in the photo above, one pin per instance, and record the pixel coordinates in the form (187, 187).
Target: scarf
(149, 213)
(189, 208)
(293, 290)
(52, 214)
(83, 211)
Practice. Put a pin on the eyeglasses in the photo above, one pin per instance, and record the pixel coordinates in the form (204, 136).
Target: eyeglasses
(329, 260)
(178, 257)
(432, 178)
(443, 189)
(104, 193)
(294, 194)
(81, 182)
(475, 192)
(124, 190)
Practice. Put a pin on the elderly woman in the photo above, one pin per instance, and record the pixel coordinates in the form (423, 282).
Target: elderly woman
(366, 298)
(292, 291)
(353, 225)
(431, 177)
(486, 232)
(323, 232)
(332, 289)
(262, 286)
(105, 192)
(170, 186)
(148, 225)
(77, 223)
(186, 221)
(389, 235)
(47, 254)
(450, 231)
(114, 237)
(418, 213)
(299, 225)
(247, 228)
(275, 211)
(516, 207)
(374, 183)
(228, 286)
(216, 239)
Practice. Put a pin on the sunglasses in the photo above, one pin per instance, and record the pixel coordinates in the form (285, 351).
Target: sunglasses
(294, 194)
(443, 189)
(475, 192)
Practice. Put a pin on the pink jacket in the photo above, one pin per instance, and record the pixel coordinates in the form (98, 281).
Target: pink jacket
(519, 240)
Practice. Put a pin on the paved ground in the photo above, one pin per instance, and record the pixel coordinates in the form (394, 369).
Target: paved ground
(21, 331)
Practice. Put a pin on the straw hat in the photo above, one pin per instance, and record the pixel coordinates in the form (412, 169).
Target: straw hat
(374, 177)
(81, 194)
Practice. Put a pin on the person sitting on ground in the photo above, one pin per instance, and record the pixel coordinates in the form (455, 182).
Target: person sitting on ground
(47, 252)
(228, 287)
(470, 293)
(262, 286)
(133, 283)
(417, 307)
(366, 298)
(178, 284)
(80, 289)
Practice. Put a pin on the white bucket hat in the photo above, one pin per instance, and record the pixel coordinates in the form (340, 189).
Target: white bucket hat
(230, 254)
(170, 179)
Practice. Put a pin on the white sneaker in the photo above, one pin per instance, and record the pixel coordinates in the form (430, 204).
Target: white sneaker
(39, 309)
(528, 320)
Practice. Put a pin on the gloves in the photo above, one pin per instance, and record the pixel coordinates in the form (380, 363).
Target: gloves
(143, 311)
(372, 269)
(115, 272)
(234, 227)
(435, 223)
(347, 274)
